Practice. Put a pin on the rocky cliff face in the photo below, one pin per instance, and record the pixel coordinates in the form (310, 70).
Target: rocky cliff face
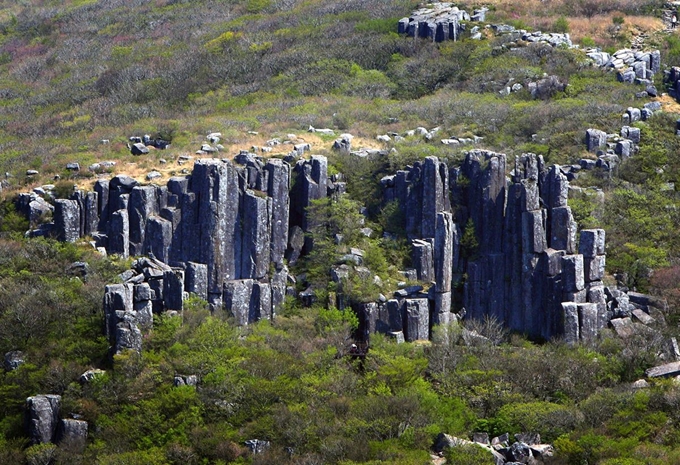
(491, 244)
(523, 265)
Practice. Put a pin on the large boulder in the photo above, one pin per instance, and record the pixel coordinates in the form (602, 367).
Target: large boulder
(42, 417)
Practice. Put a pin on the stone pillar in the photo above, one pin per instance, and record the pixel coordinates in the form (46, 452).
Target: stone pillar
(417, 320)
(237, 296)
(101, 187)
(67, 220)
(117, 297)
(256, 220)
(216, 186)
(422, 255)
(143, 205)
(435, 188)
(158, 238)
(278, 189)
(196, 279)
(562, 230)
(91, 213)
(260, 303)
(571, 331)
(143, 295)
(173, 289)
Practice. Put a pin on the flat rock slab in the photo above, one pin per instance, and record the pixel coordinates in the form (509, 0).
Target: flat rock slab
(667, 370)
(643, 317)
(623, 327)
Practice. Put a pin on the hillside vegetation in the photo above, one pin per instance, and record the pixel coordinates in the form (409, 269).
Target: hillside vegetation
(76, 72)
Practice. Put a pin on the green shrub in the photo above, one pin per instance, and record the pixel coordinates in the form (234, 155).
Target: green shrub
(548, 419)
(588, 42)
(561, 25)
(468, 455)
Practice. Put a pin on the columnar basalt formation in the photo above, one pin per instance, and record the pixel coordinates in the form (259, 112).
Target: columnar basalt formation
(518, 260)
(225, 227)
(486, 239)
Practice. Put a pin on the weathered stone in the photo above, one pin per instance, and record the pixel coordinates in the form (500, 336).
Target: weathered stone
(533, 231)
(422, 259)
(42, 417)
(623, 327)
(519, 452)
(395, 315)
(139, 149)
(572, 333)
(237, 297)
(196, 279)
(596, 295)
(120, 185)
(278, 284)
(396, 336)
(91, 213)
(530, 439)
(143, 205)
(643, 317)
(256, 219)
(143, 292)
(90, 375)
(529, 200)
(38, 211)
(144, 313)
(173, 289)
(631, 133)
(624, 149)
(257, 446)
(588, 321)
(592, 242)
(72, 433)
(481, 438)
(435, 184)
(578, 297)
(218, 202)
(13, 360)
(664, 371)
(278, 189)
(553, 260)
(594, 268)
(101, 187)
(127, 333)
(119, 234)
(158, 238)
(67, 220)
(311, 183)
(562, 230)
(444, 251)
(117, 297)
(595, 139)
(368, 318)
(442, 308)
(296, 241)
(572, 266)
(417, 319)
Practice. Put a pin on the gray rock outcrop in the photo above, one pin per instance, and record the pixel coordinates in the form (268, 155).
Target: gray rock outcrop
(42, 418)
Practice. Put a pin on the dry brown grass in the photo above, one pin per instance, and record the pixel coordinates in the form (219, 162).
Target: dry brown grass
(603, 31)
(526, 9)
(589, 18)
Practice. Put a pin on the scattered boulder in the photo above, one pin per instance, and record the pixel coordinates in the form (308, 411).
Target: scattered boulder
(72, 433)
(42, 417)
(257, 446)
(13, 360)
(139, 149)
(90, 375)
